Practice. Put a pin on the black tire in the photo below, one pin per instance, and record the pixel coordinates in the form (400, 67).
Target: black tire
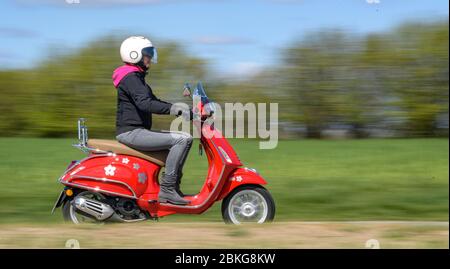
(259, 189)
(66, 210)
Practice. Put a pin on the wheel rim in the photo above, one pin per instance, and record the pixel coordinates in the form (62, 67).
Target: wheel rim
(78, 218)
(248, 206)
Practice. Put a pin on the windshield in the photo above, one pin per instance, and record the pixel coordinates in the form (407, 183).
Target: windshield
(199, 91)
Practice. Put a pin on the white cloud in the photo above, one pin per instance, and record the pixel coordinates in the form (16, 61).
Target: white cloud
(14, 32)
(99, 3)
(91, 2)
(222, 40)
(287, 1)
(241, 70)
(122, 1)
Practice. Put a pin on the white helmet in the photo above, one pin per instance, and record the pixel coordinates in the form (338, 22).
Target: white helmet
(134, 47)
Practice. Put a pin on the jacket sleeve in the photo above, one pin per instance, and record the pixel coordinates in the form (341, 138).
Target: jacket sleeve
(143, 98)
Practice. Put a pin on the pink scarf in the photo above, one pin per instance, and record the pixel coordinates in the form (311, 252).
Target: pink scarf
(122, 71)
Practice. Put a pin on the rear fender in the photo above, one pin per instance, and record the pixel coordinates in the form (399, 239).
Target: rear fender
(111, 174)
(60, 200)
(63, 197)
(239, 177)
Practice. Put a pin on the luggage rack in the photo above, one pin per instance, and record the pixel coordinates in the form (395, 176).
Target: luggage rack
(83, 139)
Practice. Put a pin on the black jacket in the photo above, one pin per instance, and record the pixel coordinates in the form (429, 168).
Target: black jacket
(136, 103)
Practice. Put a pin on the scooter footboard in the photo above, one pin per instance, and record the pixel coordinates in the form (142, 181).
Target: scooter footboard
(239, 177)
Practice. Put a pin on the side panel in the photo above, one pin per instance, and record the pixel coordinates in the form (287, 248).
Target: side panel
(120, 175)
(226, 151)
(241, 176)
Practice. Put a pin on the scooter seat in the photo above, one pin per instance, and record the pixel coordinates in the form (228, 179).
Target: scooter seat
(157, 157)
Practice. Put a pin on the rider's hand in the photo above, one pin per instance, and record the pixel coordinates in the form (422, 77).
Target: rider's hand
(187, 114)
(183, 111)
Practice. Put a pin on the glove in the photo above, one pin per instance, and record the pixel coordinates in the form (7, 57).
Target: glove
(183, 111)
(187, 114)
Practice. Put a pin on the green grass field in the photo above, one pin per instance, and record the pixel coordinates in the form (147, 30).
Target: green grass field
(386, 179)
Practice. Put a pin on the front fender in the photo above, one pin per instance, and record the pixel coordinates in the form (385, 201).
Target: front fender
(239, 177)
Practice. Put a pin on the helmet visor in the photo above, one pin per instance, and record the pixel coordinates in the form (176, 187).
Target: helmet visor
(152, 53)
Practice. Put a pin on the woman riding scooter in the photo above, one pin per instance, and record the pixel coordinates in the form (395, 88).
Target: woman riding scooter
(135, 105)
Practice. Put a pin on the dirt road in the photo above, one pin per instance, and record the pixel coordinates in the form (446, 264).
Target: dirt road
(382, 234)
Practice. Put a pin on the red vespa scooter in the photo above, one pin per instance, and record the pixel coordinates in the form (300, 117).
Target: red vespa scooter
(120, 184)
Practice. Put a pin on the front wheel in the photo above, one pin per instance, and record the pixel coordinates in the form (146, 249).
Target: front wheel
(248, 204)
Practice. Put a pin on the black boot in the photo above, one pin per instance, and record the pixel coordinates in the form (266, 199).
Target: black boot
(177, 187)
(168, 193)
(180, 168)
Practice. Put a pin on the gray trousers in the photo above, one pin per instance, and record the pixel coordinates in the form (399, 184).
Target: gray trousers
(179, 144)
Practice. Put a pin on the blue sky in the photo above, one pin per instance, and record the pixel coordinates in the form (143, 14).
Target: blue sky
(238, 37)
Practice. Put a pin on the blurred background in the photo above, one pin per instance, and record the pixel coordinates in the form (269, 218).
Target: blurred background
(351, 69)
(362, 88)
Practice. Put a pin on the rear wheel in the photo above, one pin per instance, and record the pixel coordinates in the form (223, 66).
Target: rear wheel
(71, 214)
(248, 204)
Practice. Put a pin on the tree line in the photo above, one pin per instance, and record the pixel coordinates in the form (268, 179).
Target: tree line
(392, 83)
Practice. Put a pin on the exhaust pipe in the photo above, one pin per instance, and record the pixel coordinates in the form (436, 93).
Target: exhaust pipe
(98, 210)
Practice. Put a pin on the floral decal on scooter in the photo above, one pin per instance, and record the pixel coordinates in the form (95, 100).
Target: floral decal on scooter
(136, 166)
(142, 178)
(110, 170)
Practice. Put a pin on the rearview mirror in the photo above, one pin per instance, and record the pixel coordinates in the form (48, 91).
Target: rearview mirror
(187, 90)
